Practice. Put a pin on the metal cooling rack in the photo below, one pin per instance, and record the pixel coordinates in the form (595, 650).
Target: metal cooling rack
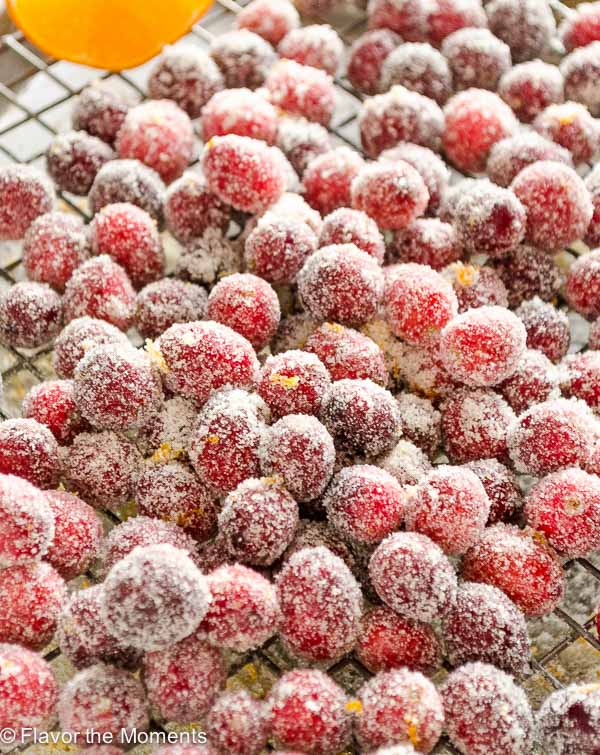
(36, 96)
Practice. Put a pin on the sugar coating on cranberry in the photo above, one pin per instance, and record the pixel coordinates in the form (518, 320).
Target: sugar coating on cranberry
(583, 284)
(166, 436)
(408, 18)
(535, 380)
(476, 58)
(278, 247)
(426, 241)
(155, 597)
(552, 435)
(421, 422)
(476, 286)
(84, 637)
(183, 680)
(30, 315)
(341, 283)
(361, 416)
(224, 443)
(346, 353)
(27, 522)
(581, 28)
(321, 605)
(451, 507)
(581, 378)
(393, 194)
(430, 167)
(186, 75)
(166, 302)
(141, 531)
(475, 120)
(293, 382)
(509, 156)
(421, 369)
(104, 699)
(128, 181)
(484, 625)
(569, 719)
(28, 689)
(270, 19)
(389, 641)
(173, 493)
(100, 288)
(77, 338)
(366, 57)
(316, 45)
(101, 107)
(258, 521)
(400, 115)
(529, 88)
(580, 71)
(301, 141)
(483, 705)
(570, 125)
(327, 180)
(201, 357)
(74, 158)
(29, 450)
(209, 258)
(191, 208)
(54, 245)
(548, 328)
(302, 91)
(309, 712)
(238, 723)
(399, 706)
(244, 58)
(25, 194)
(419, 302)
(101, 467)
(239, 111)
(528, 272)
(483, 346)
(489, 220)
(347, 226)
(411, 574)
(501, 486)
(526, 26)
(244, 611)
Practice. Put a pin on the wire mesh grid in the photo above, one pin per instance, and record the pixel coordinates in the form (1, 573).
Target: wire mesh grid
(36, 96)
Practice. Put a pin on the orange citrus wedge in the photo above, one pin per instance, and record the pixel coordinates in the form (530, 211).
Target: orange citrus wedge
(108, 34)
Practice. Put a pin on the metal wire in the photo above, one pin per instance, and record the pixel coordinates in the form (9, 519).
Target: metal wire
(17, 53)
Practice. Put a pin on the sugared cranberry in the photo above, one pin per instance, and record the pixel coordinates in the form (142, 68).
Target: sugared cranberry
(548, 328)
(102, 467)
(29, 450)
(321, 605)
(54, 246)
(327, 180)
(581, 28)
(74, 158)
(551, 436)
(239, 111)
(244, 58)
(294, 382)
(79, 336)
(166, 302)
(302, 91)
(101, 108)
(302, 141)
(568, 719)
(316, 45)
(476, 58)
(580, 70)
(366, 58)
(528, 272)
(475, 120)
(406, 462)
(278, 247)
(309, 713)
(418, 67)
(238, 723)
(31, 596)
(408, 18)
(535, 380)
(347, 353)
(421, 422)
(484, 708)
(476, 286)
(529, 88)
(411, 574)
(270, 19)
(583, 285)
(52, 404)
(104, 699)
(452, 195)
(173, 493)
(509, 156)
(244, 611)
(25, 194)
(27, 524)
(30, 315)
(346, 226)
(258, 521)
(191, 208)
(28, 690)
(526, 26)
(399, 706)
(428, 165)
(476, 424)
(484, 625)
(186, 75)
(128, 181)
(427, 241)
(501, 487)
(400, 116)
(570, 125)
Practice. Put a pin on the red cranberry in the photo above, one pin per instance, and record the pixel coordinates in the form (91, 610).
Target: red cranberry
(581, 28)
(535, 380)
(31, 596)
(293, 382)
(101, 108)
(224, 444)
(309, 712)
(475, 120)
(244, 611)
(501, 487)
(428, 165)
(399, 706)
(311, 534)
(27, 524)
(484, 625)
(400, 116)
(301, 90)
(346, 226)
(526, 26)
(239, 111)
(302, 141)
(411, 574)
(528, 272)
(548, 328)
(191, 208)
(529, 88)
(30, 315)
(79, 336)
(29, 692)
(408, 18)
(25, 194)
(74, 158)
(476, 286)
(422, 370)
(244, 58)
(328, 179)
(52, 404)
(128, 181)
(568, 719)
(317, 45)
(366, 58)
(427, 241)
(580, 70)
(258, 521)
(418, 67)
(278, 247)
(166, 302)
(29, 450)
(484, 708)
(102, 467)
(581, 378)
(452, 195)
(570, 125)
(476, 58)
(239, 723)
(421, 423)
(270, 19)
(347, 353)
(321, 605)
(54, 246)
(583, 285)
(186, 75)
(509, 156)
